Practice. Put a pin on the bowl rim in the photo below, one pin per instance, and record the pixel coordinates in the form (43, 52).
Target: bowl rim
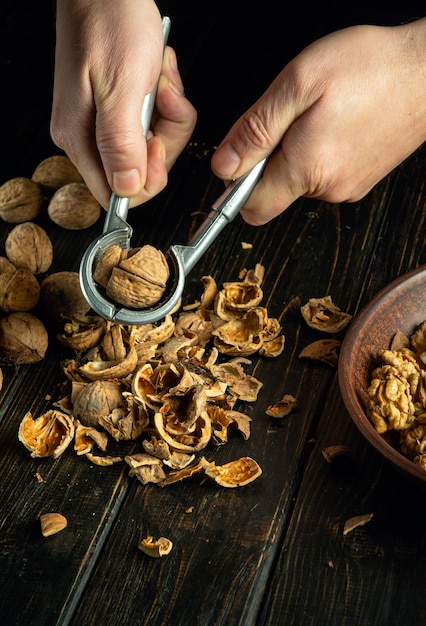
(353, 403)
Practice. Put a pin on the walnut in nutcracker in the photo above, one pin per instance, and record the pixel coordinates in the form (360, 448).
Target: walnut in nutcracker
(136, 279)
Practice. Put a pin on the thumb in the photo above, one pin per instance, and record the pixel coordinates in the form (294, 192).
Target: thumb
(122, 145)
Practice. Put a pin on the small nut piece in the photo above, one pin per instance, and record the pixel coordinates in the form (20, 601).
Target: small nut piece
(20, 200)
(322, 314)
(52, 523)
(283, 407)
(29, 247)
(156, 547)
(23, 338)
(235, 473)
(55, 172)
(73, 207)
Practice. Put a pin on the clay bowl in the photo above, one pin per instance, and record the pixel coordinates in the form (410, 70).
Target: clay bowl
(400, 306)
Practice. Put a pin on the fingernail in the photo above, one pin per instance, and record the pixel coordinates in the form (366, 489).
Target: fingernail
(229, 161)
(126, 183)
(172, 60)
(175, 88)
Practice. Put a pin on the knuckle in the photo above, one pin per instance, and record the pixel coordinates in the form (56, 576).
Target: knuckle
(254, 130)
(113, 143)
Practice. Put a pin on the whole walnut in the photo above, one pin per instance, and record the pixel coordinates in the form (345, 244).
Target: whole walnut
(55, 172)
(23, 338)
(20, 200)
(19, 290)
(73, 207)
(6, 265)
(61, 295)
(139, 281)
(96, 400)
(28, 246)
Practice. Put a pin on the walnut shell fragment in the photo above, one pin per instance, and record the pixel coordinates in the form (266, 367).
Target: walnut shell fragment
(81, 332)
(322, 314)
(99, 369)
(283, 407)
(146, 468)
(331, 452)
(103, 461)
(354, 522)
(87, 437)
(235, 473)
(323, 350)
(21, 200)
(48, 435)
(52, 523)
(155, 547)
(185, 472)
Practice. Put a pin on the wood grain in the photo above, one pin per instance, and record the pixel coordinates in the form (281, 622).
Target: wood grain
(272, 552)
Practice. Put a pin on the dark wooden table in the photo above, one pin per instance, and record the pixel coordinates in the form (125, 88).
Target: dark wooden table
(272, 552)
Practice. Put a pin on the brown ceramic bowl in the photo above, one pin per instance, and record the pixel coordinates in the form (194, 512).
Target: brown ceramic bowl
(400, 306)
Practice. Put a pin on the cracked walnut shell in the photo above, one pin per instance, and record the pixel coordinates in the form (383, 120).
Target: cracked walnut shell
(322, 314)
(139, 280)
(48, 435)
(156, 547)
(235, 473)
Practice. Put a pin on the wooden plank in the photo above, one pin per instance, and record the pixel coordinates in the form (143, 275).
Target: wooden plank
(281, 533)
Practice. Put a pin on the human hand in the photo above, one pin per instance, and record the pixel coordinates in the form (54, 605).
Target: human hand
(107, 60)
(338, 118)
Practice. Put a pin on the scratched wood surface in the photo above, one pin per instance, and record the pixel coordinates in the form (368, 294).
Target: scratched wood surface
(272, 552)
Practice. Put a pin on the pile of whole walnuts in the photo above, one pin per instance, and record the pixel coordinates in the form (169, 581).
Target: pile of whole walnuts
(28, 255)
